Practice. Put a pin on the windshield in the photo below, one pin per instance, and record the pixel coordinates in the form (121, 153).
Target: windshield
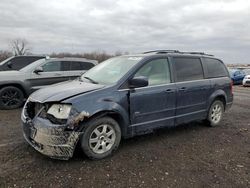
(111, 70)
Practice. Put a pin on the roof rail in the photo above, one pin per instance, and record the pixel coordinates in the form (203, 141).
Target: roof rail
(198, 53)
(175, 51)
(162, 51)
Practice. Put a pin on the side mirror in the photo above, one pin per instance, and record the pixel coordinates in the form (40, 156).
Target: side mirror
(140, 81)
(9, 64)
(38, 69)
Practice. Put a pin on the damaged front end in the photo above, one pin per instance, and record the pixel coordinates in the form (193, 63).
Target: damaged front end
(52, 129)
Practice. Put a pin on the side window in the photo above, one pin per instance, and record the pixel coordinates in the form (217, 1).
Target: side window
(75, 65)
(215, 68)
(87, 65)
(52, 66)
(157, 72)
(65, 65)
(188, 69)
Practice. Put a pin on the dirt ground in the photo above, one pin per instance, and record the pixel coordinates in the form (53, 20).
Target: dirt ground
(191, 155)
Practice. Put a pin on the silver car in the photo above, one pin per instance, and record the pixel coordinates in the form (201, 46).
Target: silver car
(17, 85)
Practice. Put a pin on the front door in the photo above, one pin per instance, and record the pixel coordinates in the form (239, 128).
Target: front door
(154, 105)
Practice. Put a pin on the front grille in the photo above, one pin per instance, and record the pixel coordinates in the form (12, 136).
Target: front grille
(33, 108)
(247, 82)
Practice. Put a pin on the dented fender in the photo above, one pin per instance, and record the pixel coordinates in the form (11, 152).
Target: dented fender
(84, 110)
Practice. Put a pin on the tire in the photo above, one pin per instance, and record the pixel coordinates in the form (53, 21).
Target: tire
(11, 97)
(215, 113)
(98, 142)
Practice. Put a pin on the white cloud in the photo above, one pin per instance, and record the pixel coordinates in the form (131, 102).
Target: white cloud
(215, 26)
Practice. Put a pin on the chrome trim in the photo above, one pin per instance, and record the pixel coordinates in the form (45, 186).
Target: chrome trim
(175, 83)
(147, 87)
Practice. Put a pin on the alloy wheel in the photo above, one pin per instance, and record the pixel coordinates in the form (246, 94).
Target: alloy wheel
(102, 139)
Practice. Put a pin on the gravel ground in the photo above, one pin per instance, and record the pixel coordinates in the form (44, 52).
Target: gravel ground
(191, 155)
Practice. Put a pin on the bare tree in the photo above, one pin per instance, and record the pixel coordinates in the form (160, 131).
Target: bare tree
(4, 55)
(19, 47)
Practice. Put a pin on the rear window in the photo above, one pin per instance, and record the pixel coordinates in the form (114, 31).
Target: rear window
(215, 68)
(188, 69)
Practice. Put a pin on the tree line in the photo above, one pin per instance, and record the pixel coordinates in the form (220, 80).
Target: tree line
(21, 47)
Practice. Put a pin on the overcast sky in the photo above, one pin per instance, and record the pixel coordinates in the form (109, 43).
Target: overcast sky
(220, 27)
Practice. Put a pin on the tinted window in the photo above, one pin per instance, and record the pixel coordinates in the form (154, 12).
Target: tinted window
(87, 66)
(52, 66)
(215, 68)
(65, 65)
(157, 72)
(18, 63)
(75, 65)
(188, 69)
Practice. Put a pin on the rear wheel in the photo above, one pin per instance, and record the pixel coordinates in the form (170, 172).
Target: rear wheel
(101, 138)
(215, 113)
(10, 98)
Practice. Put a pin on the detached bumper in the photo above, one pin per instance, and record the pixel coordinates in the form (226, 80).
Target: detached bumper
(49, 139)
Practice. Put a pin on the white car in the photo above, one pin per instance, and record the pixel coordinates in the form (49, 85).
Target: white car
(246, 80)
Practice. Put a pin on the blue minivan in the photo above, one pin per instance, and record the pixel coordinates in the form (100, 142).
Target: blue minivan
(123, 97)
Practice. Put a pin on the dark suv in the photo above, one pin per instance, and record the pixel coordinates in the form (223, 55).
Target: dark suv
(123, 97)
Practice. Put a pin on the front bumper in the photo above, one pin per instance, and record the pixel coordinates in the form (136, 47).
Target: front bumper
(50, 139)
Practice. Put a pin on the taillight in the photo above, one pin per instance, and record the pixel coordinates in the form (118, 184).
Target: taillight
(231, 87)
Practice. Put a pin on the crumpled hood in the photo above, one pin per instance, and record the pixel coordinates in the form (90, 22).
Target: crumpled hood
(61, 91)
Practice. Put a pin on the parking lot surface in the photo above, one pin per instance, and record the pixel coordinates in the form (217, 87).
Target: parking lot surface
(190, 155)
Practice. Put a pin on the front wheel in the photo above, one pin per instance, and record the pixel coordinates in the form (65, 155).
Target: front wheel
(101, 138)
(215, 113)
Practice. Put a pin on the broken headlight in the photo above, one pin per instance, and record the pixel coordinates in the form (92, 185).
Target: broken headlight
(60, 111)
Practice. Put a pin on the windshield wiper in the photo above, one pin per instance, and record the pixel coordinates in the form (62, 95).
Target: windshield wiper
(88, 78)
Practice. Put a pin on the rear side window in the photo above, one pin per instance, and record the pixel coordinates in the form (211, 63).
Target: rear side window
(78, 65)
(75, 65)
(87, 65)
(215, 68)
(65, 65)
(188, 69)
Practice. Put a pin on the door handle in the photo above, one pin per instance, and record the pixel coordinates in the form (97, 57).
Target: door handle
(183, 89)
(58, 74)
(203, 88)
(169, 91)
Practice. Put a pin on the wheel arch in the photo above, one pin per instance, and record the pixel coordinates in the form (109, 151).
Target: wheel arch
(117, 116)
(218, 95)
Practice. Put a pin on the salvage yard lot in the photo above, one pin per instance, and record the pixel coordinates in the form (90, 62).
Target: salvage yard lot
(191, 155)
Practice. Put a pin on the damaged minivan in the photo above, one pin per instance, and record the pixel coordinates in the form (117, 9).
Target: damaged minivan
(123, 97)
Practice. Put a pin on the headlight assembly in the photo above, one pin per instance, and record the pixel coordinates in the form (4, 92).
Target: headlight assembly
(60, 111)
